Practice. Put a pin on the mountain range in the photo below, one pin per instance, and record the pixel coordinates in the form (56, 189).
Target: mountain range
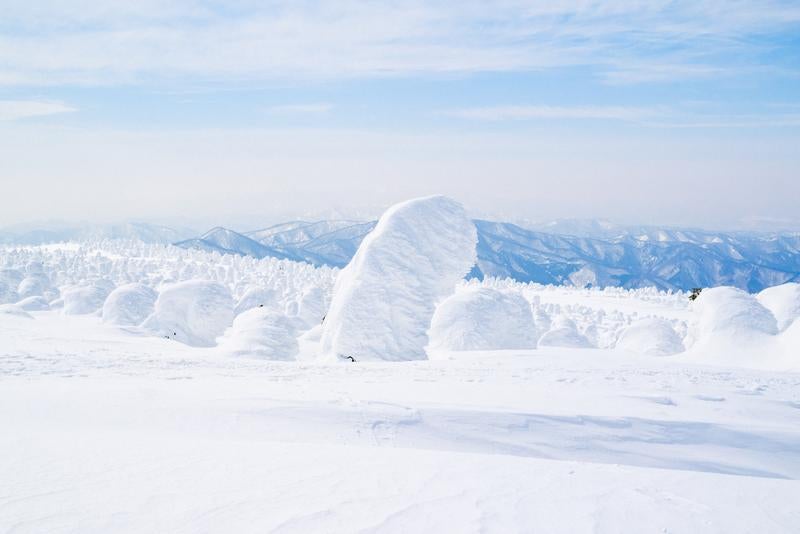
(572, 252)
(678, 259)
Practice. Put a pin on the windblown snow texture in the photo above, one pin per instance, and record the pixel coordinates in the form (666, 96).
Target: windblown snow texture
(384, 299)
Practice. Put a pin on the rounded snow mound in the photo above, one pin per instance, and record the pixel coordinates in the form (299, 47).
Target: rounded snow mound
(783, 301)
(564, 333)
(129, 305)
(257, 297)
(261, 333)
(194, 312)
(482, 318)
(34, 304)
(731, 311)
(383, 301)
(84, 299)
(652, 336)
(31, 286)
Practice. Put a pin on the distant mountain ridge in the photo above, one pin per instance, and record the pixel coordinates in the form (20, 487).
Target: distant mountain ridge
(38, 234)
(597, 253)
(678, 259)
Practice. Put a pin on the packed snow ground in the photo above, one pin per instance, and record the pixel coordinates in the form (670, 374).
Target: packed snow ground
(109, 426)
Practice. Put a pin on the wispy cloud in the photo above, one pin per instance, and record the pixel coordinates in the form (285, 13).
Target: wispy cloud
(626, 41)
(317, 108)
(11, 110)
(504, 113)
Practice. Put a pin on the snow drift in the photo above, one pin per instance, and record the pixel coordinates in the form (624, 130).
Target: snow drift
(195, 312)
(564, 333)
(261, 333)
(384, 299)
(129, 305)
(481, 318)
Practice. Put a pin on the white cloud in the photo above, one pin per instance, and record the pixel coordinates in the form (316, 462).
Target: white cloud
(500, 113)
(11, 110)
(112, 42)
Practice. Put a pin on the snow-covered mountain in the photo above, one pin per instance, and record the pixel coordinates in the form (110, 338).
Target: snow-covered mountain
(227, 241)
(626, 256)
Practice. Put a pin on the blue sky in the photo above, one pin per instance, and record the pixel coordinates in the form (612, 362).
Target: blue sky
(616, 109)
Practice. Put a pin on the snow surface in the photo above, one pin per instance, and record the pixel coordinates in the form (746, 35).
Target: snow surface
(115, 428)
(384, 299)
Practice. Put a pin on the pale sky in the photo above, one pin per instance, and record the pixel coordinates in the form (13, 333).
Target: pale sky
(647, 112)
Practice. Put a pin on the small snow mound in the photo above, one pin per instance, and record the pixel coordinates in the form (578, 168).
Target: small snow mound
(257, 297)
(34, 304)
(652, 336)
(261, 333)
(194, 312)
(783, 301)
(129, 305)
(564, 333)
(31, 286)
(481, 318)
(731, 311)
(84, 299)
(13, 309)
(385, 298)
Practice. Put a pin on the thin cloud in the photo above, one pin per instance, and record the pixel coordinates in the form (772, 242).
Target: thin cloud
(518, 113)
(11, 110)
(53, 43)
(301, 109)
